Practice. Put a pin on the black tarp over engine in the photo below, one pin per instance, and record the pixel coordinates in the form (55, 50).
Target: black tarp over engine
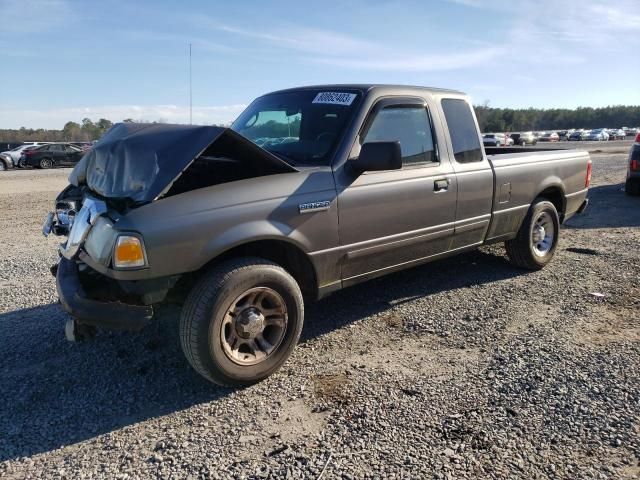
(139, 162)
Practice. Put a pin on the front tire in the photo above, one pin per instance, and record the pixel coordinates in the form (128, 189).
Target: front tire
(537, 239)
(241, 321)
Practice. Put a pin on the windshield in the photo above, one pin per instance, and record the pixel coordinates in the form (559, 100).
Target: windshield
(301, 127)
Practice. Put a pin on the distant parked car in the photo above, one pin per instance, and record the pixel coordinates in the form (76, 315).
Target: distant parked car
(562, 134)
(496, 140)
(549, 137)
(15, 153)
(598, 135)
(84, 146)
(48, 156)
(632, 184)
(575, 136)
(524, 138)
(616, 134)
(631, 132)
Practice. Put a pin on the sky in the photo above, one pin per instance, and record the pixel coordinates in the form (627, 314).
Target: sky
(66, 60)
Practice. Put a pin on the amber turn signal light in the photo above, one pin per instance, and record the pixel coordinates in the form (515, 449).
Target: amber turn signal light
(129, 252)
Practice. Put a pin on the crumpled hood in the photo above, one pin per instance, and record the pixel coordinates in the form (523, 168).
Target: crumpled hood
(138, 161)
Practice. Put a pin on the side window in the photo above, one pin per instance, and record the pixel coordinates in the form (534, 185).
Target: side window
(462, 129)
(56, 148)
(410, 126)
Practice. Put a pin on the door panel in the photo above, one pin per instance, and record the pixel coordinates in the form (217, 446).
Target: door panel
(389, 218)
(395, 217)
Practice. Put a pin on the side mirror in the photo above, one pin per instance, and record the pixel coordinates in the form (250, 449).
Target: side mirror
(377, 156)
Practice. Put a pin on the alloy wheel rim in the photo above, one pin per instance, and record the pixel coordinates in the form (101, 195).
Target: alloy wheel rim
(254, 326)
(543, 234)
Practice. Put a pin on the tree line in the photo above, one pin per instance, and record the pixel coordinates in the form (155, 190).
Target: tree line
(532, 119)
(86, 131)
(490, 120)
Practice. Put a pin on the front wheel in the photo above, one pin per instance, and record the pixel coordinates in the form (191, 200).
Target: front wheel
(536, 241)
(241, 321)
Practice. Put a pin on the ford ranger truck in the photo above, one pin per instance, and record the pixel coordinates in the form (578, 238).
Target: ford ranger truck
(309, 191)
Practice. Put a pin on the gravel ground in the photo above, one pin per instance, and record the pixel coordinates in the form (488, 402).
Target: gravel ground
(465, 368)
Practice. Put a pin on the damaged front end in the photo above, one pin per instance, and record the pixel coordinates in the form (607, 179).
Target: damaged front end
(104, 277)
(93, 299)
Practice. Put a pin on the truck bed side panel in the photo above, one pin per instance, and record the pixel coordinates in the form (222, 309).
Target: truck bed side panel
(520, 178)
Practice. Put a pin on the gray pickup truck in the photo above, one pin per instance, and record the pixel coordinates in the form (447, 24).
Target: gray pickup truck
(309, 191)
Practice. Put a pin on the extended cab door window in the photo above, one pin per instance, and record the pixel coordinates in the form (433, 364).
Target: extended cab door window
(462, 130)
(408, 124)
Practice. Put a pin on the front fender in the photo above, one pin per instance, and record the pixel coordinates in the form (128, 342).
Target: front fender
(251, 232)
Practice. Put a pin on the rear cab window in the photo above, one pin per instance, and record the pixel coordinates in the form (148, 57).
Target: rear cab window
(462, 130)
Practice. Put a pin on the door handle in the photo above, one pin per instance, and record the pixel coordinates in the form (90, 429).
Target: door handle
(441, 185)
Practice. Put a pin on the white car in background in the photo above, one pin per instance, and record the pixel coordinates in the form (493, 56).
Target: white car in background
(616, 134)
(598, 135)
(15, 153)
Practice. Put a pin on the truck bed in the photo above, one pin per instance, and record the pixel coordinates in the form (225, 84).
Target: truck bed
(562, 178)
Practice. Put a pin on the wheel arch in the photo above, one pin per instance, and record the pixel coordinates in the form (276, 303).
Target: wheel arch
(285, 253)
(554, 193)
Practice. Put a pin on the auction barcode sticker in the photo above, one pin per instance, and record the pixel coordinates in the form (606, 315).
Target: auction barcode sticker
(335, 98)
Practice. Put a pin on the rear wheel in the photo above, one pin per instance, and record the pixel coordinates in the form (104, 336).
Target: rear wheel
(536, 241)
(241, 321)
(45, 163)
(632, 187)
(2, 166)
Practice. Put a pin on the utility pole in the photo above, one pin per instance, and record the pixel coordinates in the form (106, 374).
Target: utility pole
(190, 91)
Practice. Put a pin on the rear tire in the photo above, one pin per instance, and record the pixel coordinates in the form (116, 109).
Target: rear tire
(241, 321)
(45, 163)
(632, 188)
(537, 239)
(3, 167)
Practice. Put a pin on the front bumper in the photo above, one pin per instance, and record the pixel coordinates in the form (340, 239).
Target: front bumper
(106, 314)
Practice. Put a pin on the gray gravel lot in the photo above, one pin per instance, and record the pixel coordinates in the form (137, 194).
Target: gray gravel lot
(464, 368)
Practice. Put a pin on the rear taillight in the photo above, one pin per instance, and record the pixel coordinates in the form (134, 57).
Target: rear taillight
(587, 180)
(635, 165)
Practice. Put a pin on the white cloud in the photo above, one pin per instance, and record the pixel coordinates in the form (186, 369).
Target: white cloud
(588, 22)
(309, 40)
(56, 118)
(176, 39)
(418, 62)
(26, 16)
(346, 51)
